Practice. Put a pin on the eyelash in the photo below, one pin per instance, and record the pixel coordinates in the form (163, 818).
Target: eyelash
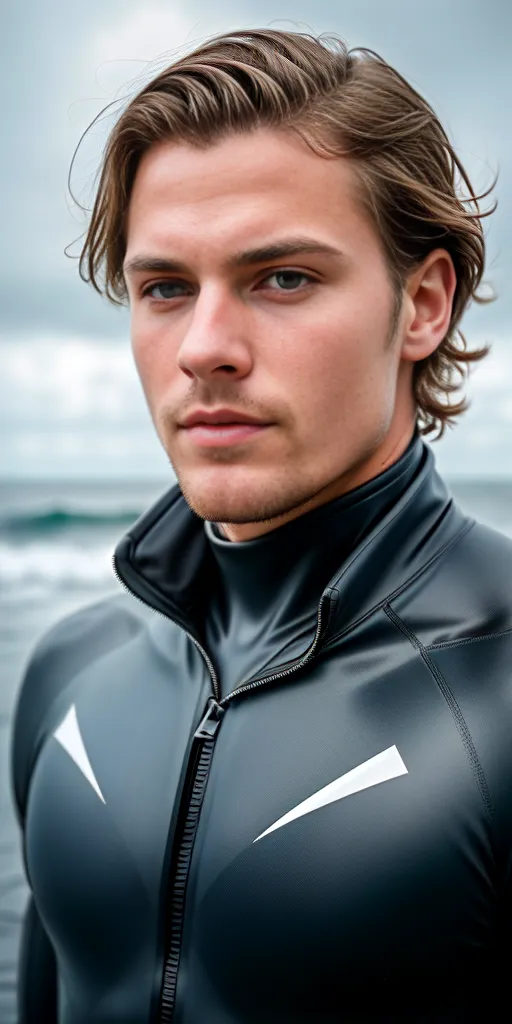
(286, 270)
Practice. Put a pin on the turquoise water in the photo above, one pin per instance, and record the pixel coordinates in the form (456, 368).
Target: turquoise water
(56, 544)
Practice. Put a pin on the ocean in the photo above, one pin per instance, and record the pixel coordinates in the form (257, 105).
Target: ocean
(56, 544)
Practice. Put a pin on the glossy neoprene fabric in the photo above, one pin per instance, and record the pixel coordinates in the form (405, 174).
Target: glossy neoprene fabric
(390, 903)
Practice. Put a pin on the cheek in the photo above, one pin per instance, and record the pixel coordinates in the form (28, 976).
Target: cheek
(336, 361)
(343, 369)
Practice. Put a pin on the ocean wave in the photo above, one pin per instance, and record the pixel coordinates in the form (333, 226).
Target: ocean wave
(51, 566)
(59, 519)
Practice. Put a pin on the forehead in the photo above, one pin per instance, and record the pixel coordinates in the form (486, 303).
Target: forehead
(250, 184)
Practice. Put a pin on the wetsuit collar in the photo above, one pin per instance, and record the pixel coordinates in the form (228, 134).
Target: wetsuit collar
(283, 572)
(164, 557)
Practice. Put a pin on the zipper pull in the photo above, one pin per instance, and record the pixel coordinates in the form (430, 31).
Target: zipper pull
(210, 723)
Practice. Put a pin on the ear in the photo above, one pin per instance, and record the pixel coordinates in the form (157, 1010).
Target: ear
(427, 306)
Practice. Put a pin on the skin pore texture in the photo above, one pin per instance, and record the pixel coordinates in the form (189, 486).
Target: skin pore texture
(301, 341)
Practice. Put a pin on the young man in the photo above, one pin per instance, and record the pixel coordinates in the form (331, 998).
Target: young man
(271, 783)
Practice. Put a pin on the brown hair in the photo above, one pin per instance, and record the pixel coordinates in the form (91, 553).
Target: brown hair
(342, 103)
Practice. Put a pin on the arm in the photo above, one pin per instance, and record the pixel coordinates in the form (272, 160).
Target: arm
(37, 973)
(56, 659)
(36, 981)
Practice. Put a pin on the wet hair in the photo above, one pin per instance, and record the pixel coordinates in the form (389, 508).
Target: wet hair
(341, 102)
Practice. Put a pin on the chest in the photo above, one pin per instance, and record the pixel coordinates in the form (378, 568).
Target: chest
(341, 825)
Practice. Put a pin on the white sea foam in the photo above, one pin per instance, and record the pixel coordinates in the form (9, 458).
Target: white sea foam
(43, 564)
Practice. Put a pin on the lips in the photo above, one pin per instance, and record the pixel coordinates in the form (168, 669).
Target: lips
(204, 417)
(208, 435)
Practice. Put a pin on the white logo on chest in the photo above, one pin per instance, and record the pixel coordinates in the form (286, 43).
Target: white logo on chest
(384, 766)
(69, 736)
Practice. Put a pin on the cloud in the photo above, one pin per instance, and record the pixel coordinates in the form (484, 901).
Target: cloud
(69, 380)
(146, 31)
(74, 405)
(96, 454)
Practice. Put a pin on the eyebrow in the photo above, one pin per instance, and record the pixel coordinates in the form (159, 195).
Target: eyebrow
(245, 258)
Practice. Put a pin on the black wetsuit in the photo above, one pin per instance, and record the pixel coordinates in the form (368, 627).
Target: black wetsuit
(333, 841)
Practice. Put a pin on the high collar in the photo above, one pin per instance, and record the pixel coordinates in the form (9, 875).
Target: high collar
(163, 557)
(281, 574)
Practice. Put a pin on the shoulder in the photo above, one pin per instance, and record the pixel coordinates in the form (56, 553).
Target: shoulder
(460, 614)
(482, 563)
(465, 593)
(474, 658)
(487, 547)
(480, 567)
(60, 654)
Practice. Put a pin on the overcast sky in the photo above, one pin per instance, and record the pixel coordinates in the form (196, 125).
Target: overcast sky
(70, 402)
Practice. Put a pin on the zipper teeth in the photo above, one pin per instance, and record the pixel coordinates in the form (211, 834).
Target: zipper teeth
(247, 686)
(168, 994)
(200, 779)
(286, 672)
(201, 649)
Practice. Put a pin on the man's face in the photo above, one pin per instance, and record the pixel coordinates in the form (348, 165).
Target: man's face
(300, 341)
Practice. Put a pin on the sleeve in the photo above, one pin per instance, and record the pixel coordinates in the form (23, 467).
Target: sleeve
(37, 973)
(55, 661)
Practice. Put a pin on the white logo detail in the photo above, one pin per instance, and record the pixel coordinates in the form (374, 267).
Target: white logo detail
(69, 736)
(386, 765)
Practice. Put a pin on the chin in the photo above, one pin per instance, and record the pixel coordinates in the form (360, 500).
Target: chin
(221, 502)
(223, 512)
(236, 498)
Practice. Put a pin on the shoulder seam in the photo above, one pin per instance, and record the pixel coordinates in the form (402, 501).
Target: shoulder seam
(453, 706)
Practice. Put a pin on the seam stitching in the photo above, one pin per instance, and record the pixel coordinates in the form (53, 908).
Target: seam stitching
(456, 712)
(443, 644)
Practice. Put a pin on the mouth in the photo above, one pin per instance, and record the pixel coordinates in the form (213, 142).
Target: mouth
(210, 435)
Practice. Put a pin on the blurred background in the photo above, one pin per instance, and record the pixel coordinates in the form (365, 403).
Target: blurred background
(79, 459)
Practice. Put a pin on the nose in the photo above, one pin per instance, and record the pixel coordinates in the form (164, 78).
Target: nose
(216, 341)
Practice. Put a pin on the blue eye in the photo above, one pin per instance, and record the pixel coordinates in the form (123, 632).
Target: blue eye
(165, 287)
(172, 289)
(288, 273)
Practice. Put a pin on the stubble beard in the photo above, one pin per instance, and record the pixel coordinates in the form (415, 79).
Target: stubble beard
(259, 508)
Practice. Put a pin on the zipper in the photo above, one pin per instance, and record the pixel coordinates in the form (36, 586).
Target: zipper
(199, 770)
(307, 657)
(252, 684)
(195, 784)
(205, 734)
